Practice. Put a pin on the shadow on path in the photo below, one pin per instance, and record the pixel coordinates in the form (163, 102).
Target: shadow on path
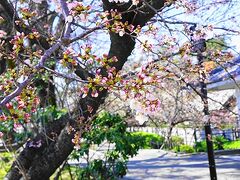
(165, 166)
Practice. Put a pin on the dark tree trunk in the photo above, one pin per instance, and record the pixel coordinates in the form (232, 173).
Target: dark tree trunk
(167, 142)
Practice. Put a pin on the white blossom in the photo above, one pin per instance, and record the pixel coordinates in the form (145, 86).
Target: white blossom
(37, 1)
(2, 33)
(119, 1)
(121, 33)
(69, 19)
(134, 2)
(141, 118)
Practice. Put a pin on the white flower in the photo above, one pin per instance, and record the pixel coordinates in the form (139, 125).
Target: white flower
(119, 1)
(135, 2)
(135, 105)
(2, 33)
(150, 97)
(23, 78)
(121, 33)
(123, 95)
(37, 1)
(69, 19)
(141, 118)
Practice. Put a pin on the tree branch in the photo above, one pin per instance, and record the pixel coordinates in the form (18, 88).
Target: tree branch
(53, 155)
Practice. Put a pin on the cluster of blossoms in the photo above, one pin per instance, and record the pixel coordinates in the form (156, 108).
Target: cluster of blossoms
(148, 104)
(77, 140)
(117, 26)
(221, 118)
(78, 10)
(138, 90)
(17, 42)
(114, 14)
(69, 57)
(19, 110)
(144, 106)
(37, 1)
(146, 46)
(120, 28)
(2, 34)
(86, 55)
(21, 42)
(33, 35)
(7, 82)
(21, 106)
(190, 7)
(100, 82)
(134, 2)
(27, 13)
(151, 30)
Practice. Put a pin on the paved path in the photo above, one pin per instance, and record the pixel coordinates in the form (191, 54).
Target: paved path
(159, 165)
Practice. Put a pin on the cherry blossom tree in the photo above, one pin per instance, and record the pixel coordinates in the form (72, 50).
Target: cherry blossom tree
(87, 45)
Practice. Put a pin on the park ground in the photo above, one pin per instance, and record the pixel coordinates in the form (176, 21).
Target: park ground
(160, 165)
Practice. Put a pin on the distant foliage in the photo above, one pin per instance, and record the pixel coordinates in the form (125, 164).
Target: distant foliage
(201, 146)
(219, 143)
(176, 141)
(149, 140)
(232, 145)
(186, 148)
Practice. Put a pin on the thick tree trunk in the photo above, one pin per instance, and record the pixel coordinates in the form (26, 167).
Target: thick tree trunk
(167, 141)
(24, 160)
(40, 163)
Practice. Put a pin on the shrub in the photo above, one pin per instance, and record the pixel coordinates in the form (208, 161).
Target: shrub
(232, 145)
(186, 148)
(219, 141)
(110, 128)
(176, 142)
(149, 140)
(218, 144)
(201, 146)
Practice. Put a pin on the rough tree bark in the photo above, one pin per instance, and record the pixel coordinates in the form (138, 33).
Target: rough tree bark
(41, 162)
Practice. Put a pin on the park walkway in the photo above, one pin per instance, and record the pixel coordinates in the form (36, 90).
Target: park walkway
(160, 165)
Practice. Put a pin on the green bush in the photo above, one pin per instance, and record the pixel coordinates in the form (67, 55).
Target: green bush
(149, 140)
(232, 145)
(218, 144)
(186, 148)
(110, 128)
(176, 142)
(201, 146)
